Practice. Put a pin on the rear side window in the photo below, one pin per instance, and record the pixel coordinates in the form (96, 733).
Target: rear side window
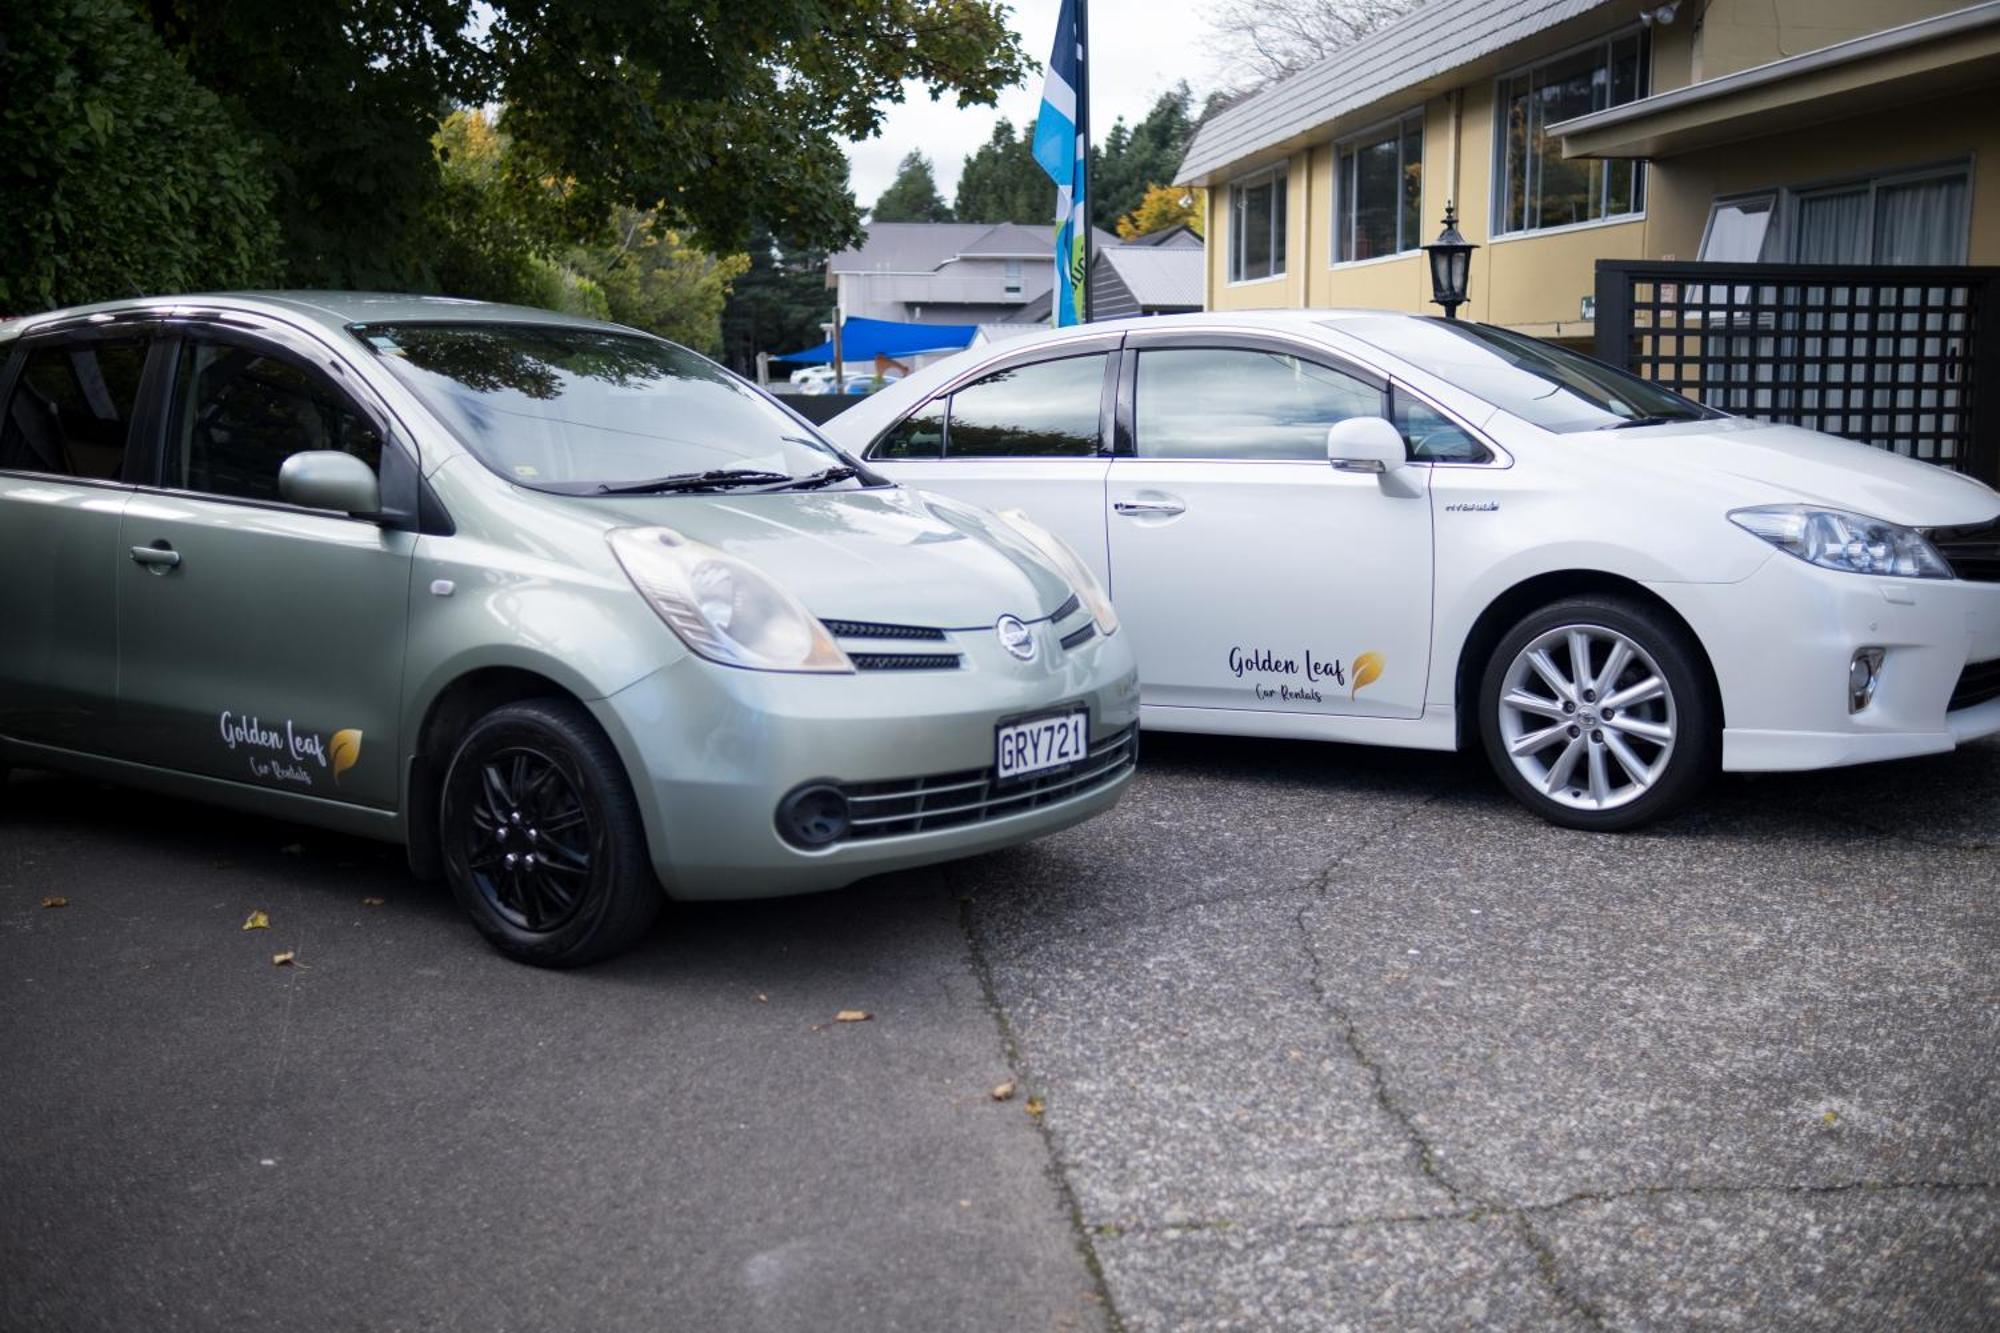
(1241, 403)
(1045, 410)
(71, 410)
(240, 412)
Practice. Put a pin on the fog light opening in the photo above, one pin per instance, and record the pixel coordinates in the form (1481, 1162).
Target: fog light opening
(813, 816)
(1864, 673)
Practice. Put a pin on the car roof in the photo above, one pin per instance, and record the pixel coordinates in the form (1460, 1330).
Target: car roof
(329, 311)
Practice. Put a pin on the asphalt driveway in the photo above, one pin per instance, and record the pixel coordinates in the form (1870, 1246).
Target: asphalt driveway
(1318, 1037)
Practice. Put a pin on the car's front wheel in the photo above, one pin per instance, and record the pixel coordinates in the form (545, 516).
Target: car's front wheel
(1596, 713)
(542, 841)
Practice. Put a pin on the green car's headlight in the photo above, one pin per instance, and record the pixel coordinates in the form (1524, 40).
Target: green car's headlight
(723, 608)
(1852, 543)
(1070, 565)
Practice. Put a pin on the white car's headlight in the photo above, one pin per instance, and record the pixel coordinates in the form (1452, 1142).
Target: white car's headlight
(724, 609)
(1836, 539)
(1070, 565)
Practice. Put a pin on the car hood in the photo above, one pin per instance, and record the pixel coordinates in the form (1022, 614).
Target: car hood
(887, 554)
(1786, 463)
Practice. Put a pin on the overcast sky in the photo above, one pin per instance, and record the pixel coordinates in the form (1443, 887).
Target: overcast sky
(1138, 49)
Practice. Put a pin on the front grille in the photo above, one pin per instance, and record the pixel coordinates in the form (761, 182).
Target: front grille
(951, 800)
(1076, 638)
(904, 661)
(1972, 552)
(1976, 684)
(868, 629)
(1066, 610)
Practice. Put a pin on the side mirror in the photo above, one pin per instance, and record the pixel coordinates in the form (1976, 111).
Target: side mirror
(1364, 444)
(329, 479)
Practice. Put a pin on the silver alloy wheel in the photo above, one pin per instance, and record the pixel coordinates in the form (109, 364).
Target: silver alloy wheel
(1587, 717)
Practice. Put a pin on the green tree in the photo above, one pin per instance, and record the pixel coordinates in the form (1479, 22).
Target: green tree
(653, 279)
(777, 305)
(718, 114)
(1165, 206)
(496, 226)
(119, 175)
(1002, 182)
(1131, 159)
(913, 196)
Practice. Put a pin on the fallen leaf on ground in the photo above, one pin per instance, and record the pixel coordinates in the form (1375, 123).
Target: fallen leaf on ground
(1035, 1106)
(853, 1016)
(55, 900)
(285, 959)
(1830, 1117)
(1004, 1092)
(371, 902)
(257, 921)
(763, 998)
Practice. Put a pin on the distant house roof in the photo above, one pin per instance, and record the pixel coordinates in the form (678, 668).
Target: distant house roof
(1159, 279)
(1434, 40)
(924, 247)
(1178, 236)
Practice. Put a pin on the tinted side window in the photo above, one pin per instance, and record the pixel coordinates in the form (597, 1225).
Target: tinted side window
(72, 409)
(919, 435)
(1433, 437)
(240, 413)
(1241, 403)
(1049, 409)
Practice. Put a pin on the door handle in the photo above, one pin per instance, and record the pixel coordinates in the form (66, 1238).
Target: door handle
(157, 559)
(1164, 507)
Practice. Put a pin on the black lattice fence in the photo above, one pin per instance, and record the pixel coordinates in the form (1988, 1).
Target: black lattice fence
(1902, 358)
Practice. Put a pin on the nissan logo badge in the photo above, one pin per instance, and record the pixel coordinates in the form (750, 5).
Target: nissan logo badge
(1015, 637)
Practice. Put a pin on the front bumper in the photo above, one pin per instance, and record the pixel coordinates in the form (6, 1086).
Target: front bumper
(1781, 642)
(711, 751)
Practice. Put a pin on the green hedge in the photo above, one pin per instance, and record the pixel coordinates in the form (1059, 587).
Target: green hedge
(119, 175)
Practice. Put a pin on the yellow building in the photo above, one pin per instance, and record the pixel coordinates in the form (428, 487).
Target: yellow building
(1569, 131)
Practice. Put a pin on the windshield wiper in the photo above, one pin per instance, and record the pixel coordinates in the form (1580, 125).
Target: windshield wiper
(813, 481)
(1630, 422)
(715, 479)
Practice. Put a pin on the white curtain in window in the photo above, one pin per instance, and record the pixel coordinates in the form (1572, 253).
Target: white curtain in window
(1833, 228)
(1921, 222)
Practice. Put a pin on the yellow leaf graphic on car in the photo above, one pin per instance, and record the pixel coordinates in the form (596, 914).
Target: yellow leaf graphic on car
(345, 751)
(1367, 670)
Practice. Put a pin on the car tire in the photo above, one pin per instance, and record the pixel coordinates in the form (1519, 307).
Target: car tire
(1625, 739)
(580, 889)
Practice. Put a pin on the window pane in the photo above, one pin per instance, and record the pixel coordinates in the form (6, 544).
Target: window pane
(1413, 183)
(919, 435)
(1833, 228)
(1279, 217)
(72, 410)
(1044, 410)
(1432, 437)
(1256, 231)
(1377, 192)
(1343, 227)
(1921, 222)
(1737, 230)
(242, 413)
(1241, 404)
(1542, 188)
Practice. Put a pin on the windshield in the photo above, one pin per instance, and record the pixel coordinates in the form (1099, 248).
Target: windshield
(591, 411)
(1536, 381)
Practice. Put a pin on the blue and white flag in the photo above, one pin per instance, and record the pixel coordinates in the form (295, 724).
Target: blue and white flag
(1060, 148)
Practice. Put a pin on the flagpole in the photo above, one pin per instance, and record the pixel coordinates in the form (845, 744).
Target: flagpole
(1083, 132)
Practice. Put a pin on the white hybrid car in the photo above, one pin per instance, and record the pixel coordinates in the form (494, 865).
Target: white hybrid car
(1397, 530)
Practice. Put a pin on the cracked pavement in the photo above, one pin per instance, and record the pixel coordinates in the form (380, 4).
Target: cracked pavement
(1327, 1038)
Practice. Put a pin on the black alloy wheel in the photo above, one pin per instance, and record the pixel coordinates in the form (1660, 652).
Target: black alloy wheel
(542, 840)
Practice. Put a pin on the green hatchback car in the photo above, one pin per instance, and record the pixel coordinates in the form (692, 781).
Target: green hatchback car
(575, 614)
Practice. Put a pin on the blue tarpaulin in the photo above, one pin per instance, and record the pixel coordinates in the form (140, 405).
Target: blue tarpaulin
(862, 340)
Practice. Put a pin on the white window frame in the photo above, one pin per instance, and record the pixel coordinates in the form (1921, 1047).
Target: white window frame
(1280, 222)
(1013, 277)
(1783, 238)
(1343, 225)
(1497, 206)
(1774, 236)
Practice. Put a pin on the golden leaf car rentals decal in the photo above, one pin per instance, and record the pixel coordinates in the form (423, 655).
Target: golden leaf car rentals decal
(289, 755)
(1365, 669)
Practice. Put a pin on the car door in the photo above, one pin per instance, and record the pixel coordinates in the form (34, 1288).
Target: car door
(71, 412)
(1251, 573)
(261, 642)
(1029, 432)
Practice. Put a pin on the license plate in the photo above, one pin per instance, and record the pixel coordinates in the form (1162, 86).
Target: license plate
(1039, 744)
